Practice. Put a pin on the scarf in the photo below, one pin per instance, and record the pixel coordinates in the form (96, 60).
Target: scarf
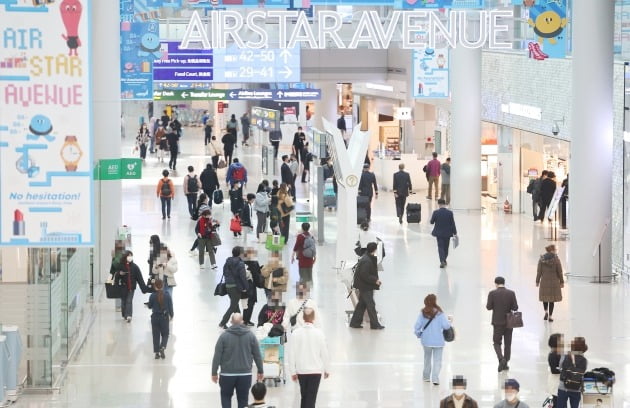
(128, 276)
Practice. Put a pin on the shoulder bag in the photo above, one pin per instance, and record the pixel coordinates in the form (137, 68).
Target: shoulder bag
(113, 289)
(215, 239)
(221, 288)
(293, 319)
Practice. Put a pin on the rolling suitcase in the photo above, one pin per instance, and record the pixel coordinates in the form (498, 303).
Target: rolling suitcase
(413, 213)
(363, 201)
(330, 199)
(361, 215)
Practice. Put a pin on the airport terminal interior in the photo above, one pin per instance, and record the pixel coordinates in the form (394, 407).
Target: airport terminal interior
(375, 86)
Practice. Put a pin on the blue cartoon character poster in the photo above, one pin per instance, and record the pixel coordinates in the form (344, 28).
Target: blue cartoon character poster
(548, 20)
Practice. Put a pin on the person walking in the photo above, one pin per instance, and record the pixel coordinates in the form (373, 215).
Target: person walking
(511, 387)
(247, 214)
(341, 125)
(205, 227)
(402, 187)
(285, 208)
(234, 352)
(235, 282)
(229, 143)
(161, 143)
(232, 128)
(294, 318)
(308, 359)
(299, 142)
(366, 281)
(501, 301)
(547, 191)
(128, 275)
(305, 249)
(259, 391)
(306, 162)
(459, 398)
(161, 305)
(429, 329)
(165, 119)
(173, 144)
(191, 189)
(207, 133)
(286, 176)
(549, 280)
(165, 269)
(534, 188)
(293, 166)
(166, 193)
(572, 368)
(215, 151)
(245, 124)
(209, 182)
(444, 229)
(142, 138)
(236, 173)
(237, 203)
(368, 188)
(556, 351)
(433, 174)
(261, 205)
(445, 174)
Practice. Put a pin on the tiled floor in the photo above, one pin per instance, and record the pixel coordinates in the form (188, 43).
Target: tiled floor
(369, 368)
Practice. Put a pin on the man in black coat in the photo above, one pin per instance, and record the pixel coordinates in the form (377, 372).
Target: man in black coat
(366, 281)
(173, 145)
(286, 175)
(368, 187)
(501, 301)
(444, 228)
(547, 191)
(402, 187)
(209, 182)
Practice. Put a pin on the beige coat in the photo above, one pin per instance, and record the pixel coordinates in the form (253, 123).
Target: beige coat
(549, 278)
(280, 282)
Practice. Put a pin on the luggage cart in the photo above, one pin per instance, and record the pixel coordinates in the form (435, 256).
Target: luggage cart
(597, 393)
(272, 352)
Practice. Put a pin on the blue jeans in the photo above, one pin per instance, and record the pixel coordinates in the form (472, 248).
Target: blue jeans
(572, 396)
(229, 383)
(432, 363)
(166, 206)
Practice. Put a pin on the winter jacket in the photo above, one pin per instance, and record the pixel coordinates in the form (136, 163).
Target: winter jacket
(234, 273)
(229, 178)
(278, 283)
(167, 271)
(129, 274)
(468, 402)
(366, 273)
(549, 278)
(154, 305)
(209, 181)
(432, 336)
(261, 204)
(236, 348)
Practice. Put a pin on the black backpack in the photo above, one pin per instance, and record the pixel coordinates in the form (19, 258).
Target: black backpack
(193, 187)
(166, 188)
(572, 372)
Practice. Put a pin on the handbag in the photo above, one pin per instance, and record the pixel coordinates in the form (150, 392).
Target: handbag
(449, 334)
(215, 239)
(221, 164)
(112, 289)
(235, 224)
(221, 288)
(274, 242)
(513, 320)
(293, 319)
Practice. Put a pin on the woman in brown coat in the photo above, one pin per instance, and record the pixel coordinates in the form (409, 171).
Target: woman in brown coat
(549, 280)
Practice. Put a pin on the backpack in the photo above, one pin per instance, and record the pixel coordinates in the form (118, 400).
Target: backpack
(530, 186)
(193, 186)
(309, 250)
(572, 374)
(165, 191)
(217, 196)
(238, 174)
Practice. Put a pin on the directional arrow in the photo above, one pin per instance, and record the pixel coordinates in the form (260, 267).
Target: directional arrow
(233, 94)
(287, 72)
(285, 55)
(184, 95)
(279, 94)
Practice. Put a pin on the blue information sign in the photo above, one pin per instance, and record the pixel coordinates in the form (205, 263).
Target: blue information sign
(176, 64)
(262, 65)
(139, 47)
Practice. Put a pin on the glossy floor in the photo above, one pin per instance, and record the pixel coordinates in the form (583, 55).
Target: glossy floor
(369, 368)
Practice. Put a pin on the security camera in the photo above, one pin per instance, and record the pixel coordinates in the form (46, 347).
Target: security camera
(555, 129)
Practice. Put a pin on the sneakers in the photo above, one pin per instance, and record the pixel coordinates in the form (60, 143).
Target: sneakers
(379, 327)
(128, 319)
(356, 327)
(214, 266)
(157, 356)
(162, 353)
(250, 324)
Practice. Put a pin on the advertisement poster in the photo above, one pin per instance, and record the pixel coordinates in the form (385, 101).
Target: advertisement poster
(45, 141)
(139, 46)
(548, 21)
(430, 73)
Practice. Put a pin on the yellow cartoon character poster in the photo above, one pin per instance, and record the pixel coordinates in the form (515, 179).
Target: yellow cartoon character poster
(548, 20)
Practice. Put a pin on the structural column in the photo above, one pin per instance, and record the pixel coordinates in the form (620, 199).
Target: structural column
(327, 106)
(591, 137)
(466, 128)
(106, 122)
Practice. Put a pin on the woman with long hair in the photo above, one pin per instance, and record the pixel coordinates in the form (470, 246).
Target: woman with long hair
(285, 208)
(556, 351)
(429, 329)
(127, 274)
(261, 205)
(143, 137)
(161, 305)
(549, 280)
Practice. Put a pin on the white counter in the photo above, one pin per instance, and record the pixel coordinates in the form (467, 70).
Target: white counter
(384, 170)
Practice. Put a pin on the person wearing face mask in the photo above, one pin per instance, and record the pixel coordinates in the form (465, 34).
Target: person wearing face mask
(128, 276)
(459, 398)
(235, 282)
(511, 387)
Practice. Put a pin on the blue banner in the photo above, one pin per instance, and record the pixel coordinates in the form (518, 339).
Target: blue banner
(549, 21)
(139, 47)
(430, 73)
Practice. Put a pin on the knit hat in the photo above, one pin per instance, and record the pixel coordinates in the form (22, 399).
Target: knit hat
(458, 381)
(512, 383)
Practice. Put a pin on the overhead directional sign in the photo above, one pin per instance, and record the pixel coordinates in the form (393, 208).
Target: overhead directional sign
(176, 64)
(238, 94)
(257, 65)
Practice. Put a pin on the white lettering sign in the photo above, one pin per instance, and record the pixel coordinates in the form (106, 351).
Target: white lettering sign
(293, 27)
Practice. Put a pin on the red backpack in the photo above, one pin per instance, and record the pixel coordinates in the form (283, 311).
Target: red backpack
(238, 174)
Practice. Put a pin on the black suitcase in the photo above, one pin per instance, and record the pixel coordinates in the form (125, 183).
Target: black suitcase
(363, 202)
(361, 215)
(413, 213)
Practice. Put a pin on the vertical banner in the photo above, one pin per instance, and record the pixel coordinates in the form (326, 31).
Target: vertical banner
(430, 73)
(45, 120)
(549, 22)
(139, 46)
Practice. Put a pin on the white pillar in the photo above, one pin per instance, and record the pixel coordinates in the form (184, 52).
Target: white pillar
(466, 128)
(327, 106)
(591, 136)
(106, 119)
